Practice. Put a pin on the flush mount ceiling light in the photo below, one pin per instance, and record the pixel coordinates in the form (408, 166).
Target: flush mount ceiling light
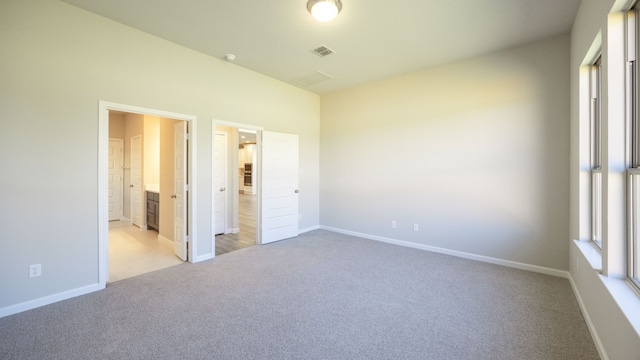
(324, 10)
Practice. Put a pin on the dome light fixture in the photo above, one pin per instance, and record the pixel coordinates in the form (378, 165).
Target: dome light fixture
(324, 10)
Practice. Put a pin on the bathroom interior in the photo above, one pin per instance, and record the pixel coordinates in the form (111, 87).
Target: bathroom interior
(141, 222)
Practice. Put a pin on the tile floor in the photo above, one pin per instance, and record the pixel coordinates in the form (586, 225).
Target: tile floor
(133, 251)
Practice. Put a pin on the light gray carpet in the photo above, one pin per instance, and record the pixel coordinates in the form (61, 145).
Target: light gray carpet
(319, 296)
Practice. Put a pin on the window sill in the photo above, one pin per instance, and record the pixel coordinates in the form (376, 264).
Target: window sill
(620, 290)
(591, 253)
(626, 298)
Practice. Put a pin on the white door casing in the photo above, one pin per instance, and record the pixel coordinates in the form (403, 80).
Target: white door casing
(199, 250)
(220, 182)
(137, 209)
(231, 177)
(179, 190)
(115, 179)
(279, 216)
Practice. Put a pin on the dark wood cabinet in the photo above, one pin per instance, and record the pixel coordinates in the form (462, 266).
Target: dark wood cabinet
(153, 211)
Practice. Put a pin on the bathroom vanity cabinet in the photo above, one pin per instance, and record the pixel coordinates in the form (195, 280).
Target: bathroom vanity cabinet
(153, 210)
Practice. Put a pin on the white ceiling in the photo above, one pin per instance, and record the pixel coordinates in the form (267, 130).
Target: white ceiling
(373, 39)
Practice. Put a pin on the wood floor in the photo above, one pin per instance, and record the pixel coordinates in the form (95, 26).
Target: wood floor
(226, 243)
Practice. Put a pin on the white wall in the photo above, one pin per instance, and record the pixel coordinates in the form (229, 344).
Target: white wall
(474, 152)
(601, 296)
(57, 62)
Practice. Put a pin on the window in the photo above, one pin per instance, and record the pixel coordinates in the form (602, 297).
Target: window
(633, 164)
(595, 90)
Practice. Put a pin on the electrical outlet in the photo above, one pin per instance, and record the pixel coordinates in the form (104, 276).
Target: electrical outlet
(415, 227)
(35, 270)
(393, 224)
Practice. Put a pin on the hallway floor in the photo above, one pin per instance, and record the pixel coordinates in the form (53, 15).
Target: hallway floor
(133, 251)
(226, 243)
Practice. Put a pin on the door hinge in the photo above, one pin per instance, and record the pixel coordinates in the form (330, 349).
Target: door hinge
(186, 187)
(186, 136)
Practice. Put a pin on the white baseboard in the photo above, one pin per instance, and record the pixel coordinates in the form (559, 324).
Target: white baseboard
(307, 229)
(125, 219)
(461, 254)
(592, 329)
(233, 231)
(32, 304)
(165, 240)
(204, 257)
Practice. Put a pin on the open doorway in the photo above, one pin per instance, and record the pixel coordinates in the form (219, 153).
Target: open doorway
(181, 188)
(236, 164)
(141, 190)
(275, 179)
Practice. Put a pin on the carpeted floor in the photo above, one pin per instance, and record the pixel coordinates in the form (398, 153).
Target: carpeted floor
(321, 295)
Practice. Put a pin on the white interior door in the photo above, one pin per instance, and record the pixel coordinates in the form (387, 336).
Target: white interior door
(115, 178)
(179, 190)
(279, 191)
(136, 181)
(220, 182)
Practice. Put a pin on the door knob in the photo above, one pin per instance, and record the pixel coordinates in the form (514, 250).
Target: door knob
(296, 191)
(173, 196)
(131, 186)
(222, 189)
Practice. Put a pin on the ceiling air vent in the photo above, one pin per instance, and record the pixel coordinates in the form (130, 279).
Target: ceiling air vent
(322, 51)
(311, 79)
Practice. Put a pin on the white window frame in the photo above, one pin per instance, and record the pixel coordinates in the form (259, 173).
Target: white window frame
(633, 162)
(595, 125)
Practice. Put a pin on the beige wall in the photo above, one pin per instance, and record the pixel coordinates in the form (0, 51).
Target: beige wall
(116, 126)
(474, 152)
(125, 126)
(57, 63)
(151, 150)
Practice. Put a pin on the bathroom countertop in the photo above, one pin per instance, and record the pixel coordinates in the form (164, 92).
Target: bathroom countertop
(154, 188)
